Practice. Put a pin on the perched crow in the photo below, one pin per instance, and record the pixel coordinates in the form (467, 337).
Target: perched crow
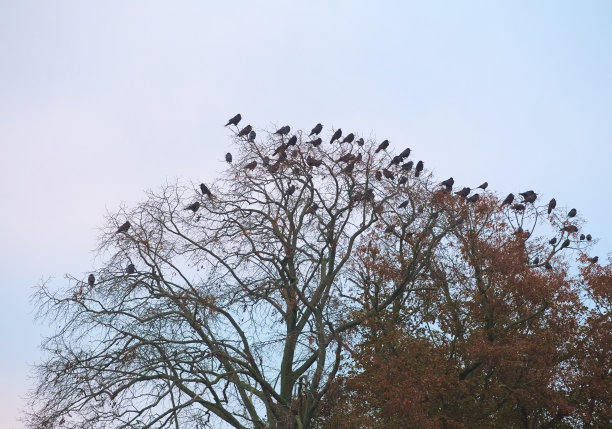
(245, 131)
(360, 142)
(548, 266)
(251, 165)
(349, 168)
(405, 153)
(389, 229)
(356, 197)
(313, 162)
(378, 175)
(473, 198)
(570, 228)
(234, 120)
(418, 169)
(131, 269)
(279, 149)
(572, 213)
(290, 190)
(252, 136)
(346, 157)
(91, 280)
(551, 205)
(205, 190)
(508, 199)
(193, 207)
(316, 142)
(228, 157)
(588, 237)
(396, 160)
(565, 244)
(388, 174)
(358, 157)
(553, 241)
(531, 198)
(484, 185)
(582, 237)
(407, 166)
(124, 227)
(316, 130)
(312, 209)
(384, 145)
(518, 207)
(349, 138)
(536, 261)
(404, 204)
(448, 183)
(336, 135)
(593, 260)
(283, 131)
(464, 192)
(292, 141)
(266, 161)
(369, 194)
(402, 180)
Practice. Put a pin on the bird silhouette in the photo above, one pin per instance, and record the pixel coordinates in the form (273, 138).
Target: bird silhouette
(131, 269)
(553, 241)
(389, 229)
(205, 190)
(405, 153)
(484, 185)
(508, 200)
(316, 142)
(349, 168)
(588, 237)
(518, 207)
(565, 244)
(527, 194)
(378, 175)
(292, 141)
(245, 131)
(251, 165)
(407, 166)
(570, 228)
(536, 261)
(316, 130)
(402, 180)
(228, 157)
(464, 192)
(290, 190)
(548, 266)
(252, 136)
(279, 149)
(572, 213)
(360, 142)
(313, 162)
(404, 204)
(551, 205)
(124, 227)
(349, 138)
(418, 169)
(312, 209)
(582, 237)
(448, 183)
(396, 160)
(194, 207)
(283, 131)
(384, 145)
(389, 175)
(346, 157)
(91, 280)
(234, 120)
(531, 198)
(593, 260)
(473, 198)
(266, 161)
(336, 135)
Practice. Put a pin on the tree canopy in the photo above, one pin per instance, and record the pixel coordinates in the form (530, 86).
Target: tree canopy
(323, 283)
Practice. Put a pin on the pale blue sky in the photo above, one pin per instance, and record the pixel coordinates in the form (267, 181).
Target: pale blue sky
(101, 100)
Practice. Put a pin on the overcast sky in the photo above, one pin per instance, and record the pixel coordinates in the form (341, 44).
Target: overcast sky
(100, 101)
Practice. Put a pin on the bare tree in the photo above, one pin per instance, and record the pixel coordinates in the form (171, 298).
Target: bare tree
(239, 310)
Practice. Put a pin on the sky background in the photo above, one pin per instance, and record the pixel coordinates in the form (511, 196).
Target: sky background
(100, 101)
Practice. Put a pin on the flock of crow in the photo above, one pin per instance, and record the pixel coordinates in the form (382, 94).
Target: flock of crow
(529, 197)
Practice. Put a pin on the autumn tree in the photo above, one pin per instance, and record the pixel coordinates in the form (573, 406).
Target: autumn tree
(508, 326)
(234, 303)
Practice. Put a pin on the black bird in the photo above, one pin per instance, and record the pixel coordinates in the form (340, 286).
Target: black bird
(266, 161)
(292, 141)
(245, 131)
(518, 207)
(548, 266)
(464, 192)
(588, 237)
(572, 213)
(404, 204)
(570, 228)
(405, 153)
(407, 166)
(531, 198)
(593, 260)
(402, 180)
(551, 205)
(536, 261)
(312, 209)
(234, 120)
(251, 165)
(349, 168)
(527, 194)
(228, 157)
(313, 162)
(290, 190)
(388, 174)
(316, 142)
(124, 227)
(389, 229)
(283, 131)
(396, 160)
(384, 145)
(193, 207)
(91, 280)
(349, 138)
(346, 157)
(552, 241)
(279, 149)
(378, 175)
(484, 185)
(448, 183)
(360, 142)
(566, 243)
(316, 130)
(252, 136)
(473, 198)
(418, 169)
(131, 269)
(205, 190)
(508, 199)
(336, 135)
(582, 237)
